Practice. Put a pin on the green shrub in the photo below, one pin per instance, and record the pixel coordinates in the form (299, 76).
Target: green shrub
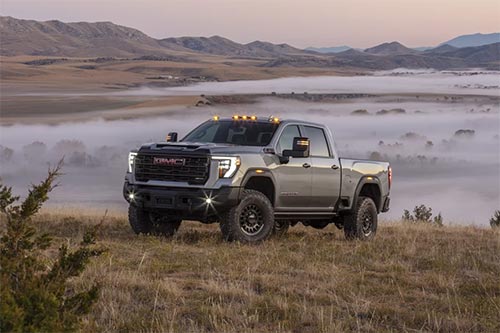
(422, 214)
(34, 291)
(495, 220)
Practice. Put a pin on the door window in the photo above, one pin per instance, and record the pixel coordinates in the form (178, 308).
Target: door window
(319, 145)
(286, 138)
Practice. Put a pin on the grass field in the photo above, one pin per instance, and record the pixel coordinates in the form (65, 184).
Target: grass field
(410, 278)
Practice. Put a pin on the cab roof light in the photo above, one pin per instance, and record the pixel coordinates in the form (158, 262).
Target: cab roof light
(274, 119)
(244, 117)
(215, 118)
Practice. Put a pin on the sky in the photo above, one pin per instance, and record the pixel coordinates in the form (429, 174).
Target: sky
(357, 23)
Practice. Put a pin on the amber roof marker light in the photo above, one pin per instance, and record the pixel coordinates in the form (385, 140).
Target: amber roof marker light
(244, 117)
(274, 119)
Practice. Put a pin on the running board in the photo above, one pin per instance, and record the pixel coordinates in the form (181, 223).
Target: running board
(304, 215)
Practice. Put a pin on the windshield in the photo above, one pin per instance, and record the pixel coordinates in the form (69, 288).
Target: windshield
(244, 133)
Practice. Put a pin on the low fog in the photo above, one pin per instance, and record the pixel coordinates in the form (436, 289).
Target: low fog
(455, 174)
(397, 81)
(444, 155)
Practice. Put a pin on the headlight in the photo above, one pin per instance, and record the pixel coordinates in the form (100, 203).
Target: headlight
(228, 165)
(131, 159)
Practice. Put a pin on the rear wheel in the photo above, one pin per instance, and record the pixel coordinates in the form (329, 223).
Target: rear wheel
(362, 222)
(281, 227)
(252, 220)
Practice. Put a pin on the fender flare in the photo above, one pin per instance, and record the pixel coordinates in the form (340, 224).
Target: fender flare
(263, 173)
(363, 181)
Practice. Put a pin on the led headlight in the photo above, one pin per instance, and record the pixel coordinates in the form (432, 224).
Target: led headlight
(131, 159)
(228, 165)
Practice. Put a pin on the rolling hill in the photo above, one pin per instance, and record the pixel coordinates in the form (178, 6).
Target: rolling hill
(392, 48)
(106, 39)
(333, 49)
(81, 39)
(474, 40)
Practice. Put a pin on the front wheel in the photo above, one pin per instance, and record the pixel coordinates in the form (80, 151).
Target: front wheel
(139, 220)
(164, 225)
(249, 222)
(362, 222)
(143, 222)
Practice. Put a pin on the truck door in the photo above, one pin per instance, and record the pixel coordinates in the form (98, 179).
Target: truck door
(294, 177)
(325, 169)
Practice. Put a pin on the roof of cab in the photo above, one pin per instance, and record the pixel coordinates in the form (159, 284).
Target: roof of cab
(267, 119)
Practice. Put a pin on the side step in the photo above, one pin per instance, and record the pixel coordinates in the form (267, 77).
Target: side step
(304, 215)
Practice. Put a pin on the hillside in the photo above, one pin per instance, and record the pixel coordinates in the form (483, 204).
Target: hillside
(383, 58)
(474, 40)
(441, 49)
(410, 278)
(333, 49)
(106, 39)
(81, 39)
(476, 55)
(393, 48)
(115, 42)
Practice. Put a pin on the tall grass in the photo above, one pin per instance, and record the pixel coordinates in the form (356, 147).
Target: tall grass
(411, 277)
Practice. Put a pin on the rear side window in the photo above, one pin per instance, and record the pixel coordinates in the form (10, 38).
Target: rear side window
(286, 138)
(319, 145)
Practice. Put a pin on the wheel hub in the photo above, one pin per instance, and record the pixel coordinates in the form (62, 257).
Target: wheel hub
(251, 220)
(367, 223)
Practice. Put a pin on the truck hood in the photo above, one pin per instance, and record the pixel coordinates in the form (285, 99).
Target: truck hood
(196, 147)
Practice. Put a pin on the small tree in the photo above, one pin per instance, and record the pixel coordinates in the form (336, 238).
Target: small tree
(495, 220)
(35, 295)
(422, 214)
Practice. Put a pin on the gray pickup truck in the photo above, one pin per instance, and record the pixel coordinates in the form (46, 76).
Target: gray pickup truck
(256, 177)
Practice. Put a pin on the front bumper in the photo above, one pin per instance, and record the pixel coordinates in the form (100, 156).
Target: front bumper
(183, 202)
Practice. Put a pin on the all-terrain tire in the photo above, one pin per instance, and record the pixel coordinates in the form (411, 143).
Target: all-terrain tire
(251, 221)
(362, 222)
(164, 225)
(142, 222)
(281, 227)
(139, 220)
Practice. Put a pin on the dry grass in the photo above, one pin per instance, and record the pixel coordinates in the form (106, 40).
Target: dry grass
(410, 278)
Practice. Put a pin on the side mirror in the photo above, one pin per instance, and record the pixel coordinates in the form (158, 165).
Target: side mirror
(172, 137)
(300, 148)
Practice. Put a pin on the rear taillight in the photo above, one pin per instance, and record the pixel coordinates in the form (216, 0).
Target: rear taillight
(389, 174)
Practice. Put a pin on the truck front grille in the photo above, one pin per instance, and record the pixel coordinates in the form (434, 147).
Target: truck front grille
(172, 168)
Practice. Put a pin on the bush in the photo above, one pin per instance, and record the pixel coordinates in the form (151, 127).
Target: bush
(422, 214)
(495, 220)
(35, 292)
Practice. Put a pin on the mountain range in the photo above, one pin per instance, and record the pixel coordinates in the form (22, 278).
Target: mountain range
(105, 39)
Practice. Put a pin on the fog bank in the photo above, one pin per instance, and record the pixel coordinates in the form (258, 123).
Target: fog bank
(455, 172)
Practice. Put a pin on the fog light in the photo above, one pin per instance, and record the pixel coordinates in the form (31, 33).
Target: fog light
(131, 196)
(208, 201)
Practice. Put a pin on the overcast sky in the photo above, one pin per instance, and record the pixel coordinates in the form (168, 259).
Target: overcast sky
(358, 23)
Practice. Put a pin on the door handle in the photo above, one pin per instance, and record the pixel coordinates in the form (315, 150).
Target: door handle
(306, 165)
(335, 167)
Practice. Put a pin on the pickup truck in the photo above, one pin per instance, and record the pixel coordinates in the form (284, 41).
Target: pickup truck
(256, 177)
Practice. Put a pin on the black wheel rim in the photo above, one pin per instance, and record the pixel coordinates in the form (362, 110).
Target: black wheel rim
(251, 220)
(367, 223)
